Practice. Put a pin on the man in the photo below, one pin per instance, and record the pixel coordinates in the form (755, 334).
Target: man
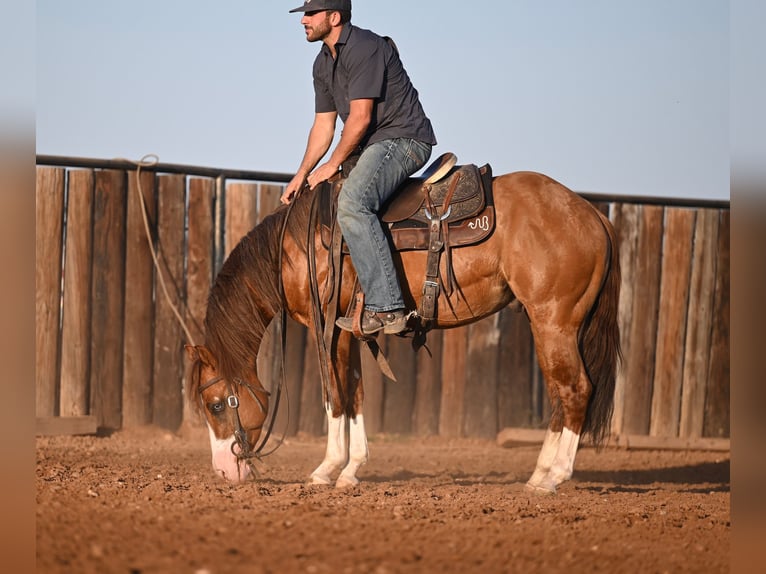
(358, 76)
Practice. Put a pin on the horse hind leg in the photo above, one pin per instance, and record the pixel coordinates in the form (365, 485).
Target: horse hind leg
(569, 389)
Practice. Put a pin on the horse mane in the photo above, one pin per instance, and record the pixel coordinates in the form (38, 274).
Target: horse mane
(246, 293)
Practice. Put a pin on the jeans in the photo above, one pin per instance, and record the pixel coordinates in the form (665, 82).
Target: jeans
(381, 169)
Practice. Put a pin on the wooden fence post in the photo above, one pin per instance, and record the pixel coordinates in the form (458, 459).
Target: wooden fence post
(642, 330)
(717, 397)
(428, 390)
(699, 328)
(108, 293)
(49, 220)
(78, 279)
(480, 410)
(399, 396)
(453, 382)
(515, 364)
(167, 404)
(199, 267)
(139, 307)
(671, 325)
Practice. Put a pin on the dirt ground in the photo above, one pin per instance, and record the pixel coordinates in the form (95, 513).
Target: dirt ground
(146, 501)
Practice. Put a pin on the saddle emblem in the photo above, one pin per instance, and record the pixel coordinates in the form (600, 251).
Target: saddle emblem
(480, 223)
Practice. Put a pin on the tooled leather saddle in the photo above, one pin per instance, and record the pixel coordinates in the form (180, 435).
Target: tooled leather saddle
(448, 207)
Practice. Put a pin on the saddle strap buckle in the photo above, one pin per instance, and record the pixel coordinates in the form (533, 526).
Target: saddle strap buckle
(428, 300)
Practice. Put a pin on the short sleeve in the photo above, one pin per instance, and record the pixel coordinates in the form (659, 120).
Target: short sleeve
(366, 67)
(323, 100)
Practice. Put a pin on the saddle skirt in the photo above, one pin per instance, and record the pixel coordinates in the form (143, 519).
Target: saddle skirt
(462, 200)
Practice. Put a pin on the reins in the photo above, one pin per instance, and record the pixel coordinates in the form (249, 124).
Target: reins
(323, 339)
(232, 401)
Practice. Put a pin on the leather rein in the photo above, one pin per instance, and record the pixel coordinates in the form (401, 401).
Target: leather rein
(246, 452)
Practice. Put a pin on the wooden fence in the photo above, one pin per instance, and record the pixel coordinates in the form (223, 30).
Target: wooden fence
(110, 349)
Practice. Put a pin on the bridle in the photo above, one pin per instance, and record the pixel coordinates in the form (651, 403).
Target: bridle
(245, 452)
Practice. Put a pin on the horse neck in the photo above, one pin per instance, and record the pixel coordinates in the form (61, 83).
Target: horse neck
(242, 302)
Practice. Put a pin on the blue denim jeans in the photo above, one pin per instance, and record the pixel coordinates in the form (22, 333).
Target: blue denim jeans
(381, 169)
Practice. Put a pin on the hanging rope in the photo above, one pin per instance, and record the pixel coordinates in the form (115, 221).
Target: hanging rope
(150, 160)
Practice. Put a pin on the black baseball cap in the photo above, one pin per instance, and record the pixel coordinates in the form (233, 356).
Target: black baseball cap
(316, 5)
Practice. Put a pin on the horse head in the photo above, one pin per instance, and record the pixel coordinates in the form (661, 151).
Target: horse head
(234, 409)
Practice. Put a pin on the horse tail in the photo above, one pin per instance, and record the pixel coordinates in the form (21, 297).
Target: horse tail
(600, 344)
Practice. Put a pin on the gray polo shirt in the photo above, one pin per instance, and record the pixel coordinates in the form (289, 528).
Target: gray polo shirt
(367, 66)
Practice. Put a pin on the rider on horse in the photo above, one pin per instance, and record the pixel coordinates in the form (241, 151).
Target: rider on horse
(359, 76)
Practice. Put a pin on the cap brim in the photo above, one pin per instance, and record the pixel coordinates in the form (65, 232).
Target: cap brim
(298, 9)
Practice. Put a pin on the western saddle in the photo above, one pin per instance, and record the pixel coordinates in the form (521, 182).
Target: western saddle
(448, 206)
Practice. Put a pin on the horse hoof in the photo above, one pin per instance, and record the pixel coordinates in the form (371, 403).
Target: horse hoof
(320, 480)
(540, 489)
(346, 482)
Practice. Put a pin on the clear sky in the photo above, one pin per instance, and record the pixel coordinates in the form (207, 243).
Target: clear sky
(607, 96)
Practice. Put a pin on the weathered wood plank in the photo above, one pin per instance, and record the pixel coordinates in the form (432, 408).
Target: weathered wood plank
(56, 426)
(108, 295)
(199, 269)
(288, 417)
(624, 218)
(514, 367)
(700, 327)
(717, 397)
(510, 437)
(671, 326)
(428, 388)
(639, 357)
(167, 401)
(312, 420)
(269, 199)
(480, 412)
(637, 442)
(241, 211)
(49, 221)
(139, 306)
(454, 346)
(399, 396)
(199, 266)
(513, 437)
(78, 278)
(374, 389)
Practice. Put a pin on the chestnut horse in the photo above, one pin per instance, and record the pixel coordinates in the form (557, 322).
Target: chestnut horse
(552, 252)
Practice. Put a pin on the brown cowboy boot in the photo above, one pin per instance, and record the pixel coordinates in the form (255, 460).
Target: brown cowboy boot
(390, 322)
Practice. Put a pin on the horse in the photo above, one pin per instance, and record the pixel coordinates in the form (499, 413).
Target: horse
(552, 253)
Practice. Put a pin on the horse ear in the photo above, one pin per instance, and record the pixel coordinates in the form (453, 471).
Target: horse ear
(201, 353)
(192, 352)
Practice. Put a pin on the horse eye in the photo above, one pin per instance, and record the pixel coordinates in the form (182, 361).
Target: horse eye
(216, 408)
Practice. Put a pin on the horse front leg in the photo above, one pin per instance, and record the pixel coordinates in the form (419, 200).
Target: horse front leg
(346, 449)
(358, 452)
(336, 453)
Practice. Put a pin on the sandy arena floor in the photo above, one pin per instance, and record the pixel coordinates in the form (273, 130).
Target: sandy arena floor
(146, 501)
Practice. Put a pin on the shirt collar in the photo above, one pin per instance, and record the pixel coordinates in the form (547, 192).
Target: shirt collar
(342, 39)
